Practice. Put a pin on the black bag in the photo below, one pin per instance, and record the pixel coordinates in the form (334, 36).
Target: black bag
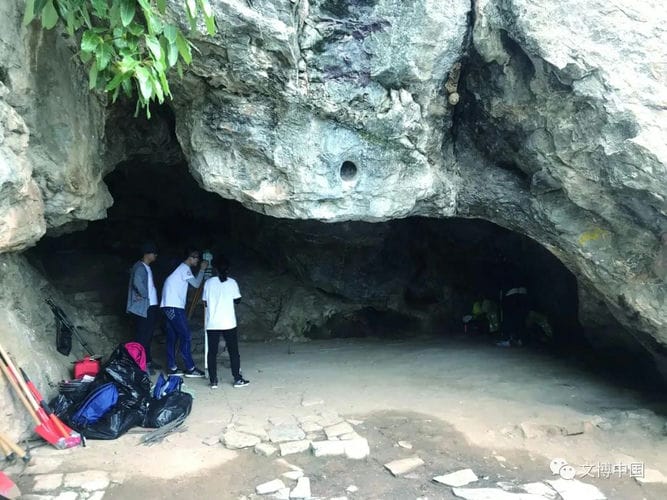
(134, 385)
(167, 409)
(114, 424)
(63, 338)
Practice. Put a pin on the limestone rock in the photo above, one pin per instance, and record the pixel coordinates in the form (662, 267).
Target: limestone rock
(302, 488)
(328, 448)
(356, 449)
(47, 482)
(458, 478)
(269, 487)
(493, 494)
(283, 433)
(338, 429)
(291, 447)
(576, 490)
(88, 480)
(265, 449)
(235, 440)
(404, 465)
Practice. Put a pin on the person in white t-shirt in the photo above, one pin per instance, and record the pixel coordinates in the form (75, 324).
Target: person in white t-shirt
(142, 300)
(220, 295)
(174, 295)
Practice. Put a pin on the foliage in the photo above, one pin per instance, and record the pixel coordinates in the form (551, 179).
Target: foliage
(127, 45)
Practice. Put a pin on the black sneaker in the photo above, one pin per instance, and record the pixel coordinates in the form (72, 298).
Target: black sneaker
(194, 373)
(241, 382)
(213, 384)
(174, 371)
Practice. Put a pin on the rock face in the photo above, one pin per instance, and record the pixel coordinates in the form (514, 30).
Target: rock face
(542, 117)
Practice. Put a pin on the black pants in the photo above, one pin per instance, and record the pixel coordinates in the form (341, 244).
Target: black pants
(145, 327)
(515, 310)
(232, 340)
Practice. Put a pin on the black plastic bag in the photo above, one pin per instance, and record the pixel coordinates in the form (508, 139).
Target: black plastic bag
(167, 409)
(134, 385)
(114, 424)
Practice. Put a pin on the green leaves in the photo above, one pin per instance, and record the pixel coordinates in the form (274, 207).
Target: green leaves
(128, 46)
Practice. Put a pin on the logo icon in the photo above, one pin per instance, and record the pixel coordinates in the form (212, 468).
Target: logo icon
(559, 466)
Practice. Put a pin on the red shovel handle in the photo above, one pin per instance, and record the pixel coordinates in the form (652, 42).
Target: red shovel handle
(45, 409)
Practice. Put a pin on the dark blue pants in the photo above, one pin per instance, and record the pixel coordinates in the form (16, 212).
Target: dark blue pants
(177, 328)
(145, 328)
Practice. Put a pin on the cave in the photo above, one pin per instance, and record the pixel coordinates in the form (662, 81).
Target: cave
(406, 279)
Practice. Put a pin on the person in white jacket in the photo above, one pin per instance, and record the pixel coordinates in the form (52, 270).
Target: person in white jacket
(220, 295)
(174, 295)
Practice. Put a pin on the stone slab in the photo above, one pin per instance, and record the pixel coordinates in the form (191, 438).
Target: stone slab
(404, 465)
(47, 482)
(338, 429)
(302, 488)
(572, 489)
(293, 447)
(458, 478)
(356, 449)
(492, 494)
(235, 440)
(270, 487)
(284, 433)
(265, 449)
(89, 480)
(328, 448)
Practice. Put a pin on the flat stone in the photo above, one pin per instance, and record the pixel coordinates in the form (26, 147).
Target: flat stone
(293, 474)
(235, 440)
(211, 441)
(98, 495)
(283, 433)
(316, 436)
(285, 463)
(311, 427)
(404, 465)
(281, 494)
(302, 488)
(338, 429)
(492, 494)
(282, 421)
(292, 447)
(270, 487)
(572, 489)
(308, 418)
(48, 482)
(265, 449)
(348, 436)
(89, 480)
(253, 430)
(352, 489)
(328, 448)
(458, 478)
(541, 489)
(356, 449)
(405, 444)
(329, 418)
(43, 465)
(651, 476)
(67, 495)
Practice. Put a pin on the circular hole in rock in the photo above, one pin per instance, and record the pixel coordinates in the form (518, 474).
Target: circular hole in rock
(348, 171)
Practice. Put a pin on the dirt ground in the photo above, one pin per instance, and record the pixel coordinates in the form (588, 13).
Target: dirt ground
(461, 403)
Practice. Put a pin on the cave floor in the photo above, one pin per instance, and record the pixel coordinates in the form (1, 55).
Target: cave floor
(505, 413)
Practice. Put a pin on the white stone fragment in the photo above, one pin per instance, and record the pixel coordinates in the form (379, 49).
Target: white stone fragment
(651, 476)
(311, 427)
(404, 465)
(540, 489)
(405, 444)
(265, 449)
(352, 489)
(329, 418)
(573, 489)
(338, 429)
(284, 433)
(293, 474)
(89, 480)
(355, 422)
(328, 448)
(292, 447)
(98, 495)
(235, 440)
(282, 494)
(269, 487)
(458, 478)
(211, 440)
(356, 449)
(492, 494)
(48, 482)
(302, 488)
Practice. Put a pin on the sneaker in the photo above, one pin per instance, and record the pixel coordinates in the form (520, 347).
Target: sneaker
(194, 373)
(174, 371)
(504, 343)
(214, 384)
(241, 382)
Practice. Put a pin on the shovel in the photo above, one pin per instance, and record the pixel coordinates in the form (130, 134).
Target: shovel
(16, 449)
(43, 428)
(7, 487)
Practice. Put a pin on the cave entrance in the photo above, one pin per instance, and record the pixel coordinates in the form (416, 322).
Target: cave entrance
(409, 278)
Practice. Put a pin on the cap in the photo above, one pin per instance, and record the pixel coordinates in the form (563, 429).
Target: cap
(148, 247)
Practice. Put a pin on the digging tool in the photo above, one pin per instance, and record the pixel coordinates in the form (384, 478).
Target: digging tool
(43, 427)
(10, 456)
(7, 487)
(65, 431)
(15, 448)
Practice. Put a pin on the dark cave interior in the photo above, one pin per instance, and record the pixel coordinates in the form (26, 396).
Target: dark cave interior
(414, 277)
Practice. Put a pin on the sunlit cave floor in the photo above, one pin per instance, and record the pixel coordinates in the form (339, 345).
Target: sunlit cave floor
(460, 403)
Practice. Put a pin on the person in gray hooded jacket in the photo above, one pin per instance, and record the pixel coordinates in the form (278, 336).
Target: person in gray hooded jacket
(142, 300)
